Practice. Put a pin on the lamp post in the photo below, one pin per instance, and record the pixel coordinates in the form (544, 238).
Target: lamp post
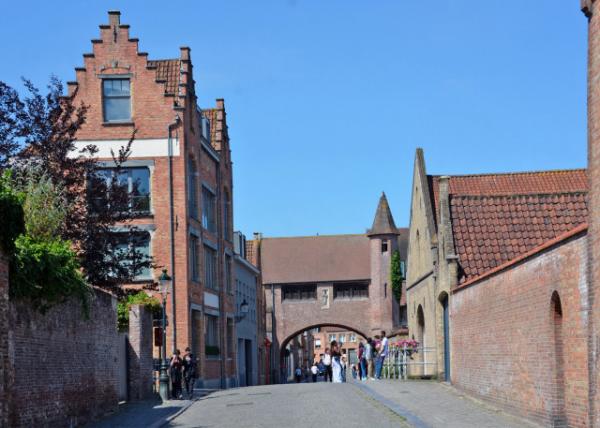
(164, 285)
(243, 311)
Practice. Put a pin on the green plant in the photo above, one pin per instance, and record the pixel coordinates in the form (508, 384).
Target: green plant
(47, 273)
(11, 207)
(44, 207)
(139, 298)
(396, 275)
(212, 350)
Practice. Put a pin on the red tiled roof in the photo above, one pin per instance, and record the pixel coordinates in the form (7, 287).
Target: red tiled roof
(499, 217)
(315, 258)
(168, 71)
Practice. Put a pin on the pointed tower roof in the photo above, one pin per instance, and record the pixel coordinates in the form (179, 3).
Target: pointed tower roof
(384, 222)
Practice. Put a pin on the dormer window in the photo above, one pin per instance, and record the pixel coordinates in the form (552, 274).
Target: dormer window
(116, 100)
(206, 129)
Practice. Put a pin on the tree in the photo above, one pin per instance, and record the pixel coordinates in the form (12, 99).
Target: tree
(38, 132)
(396, 275)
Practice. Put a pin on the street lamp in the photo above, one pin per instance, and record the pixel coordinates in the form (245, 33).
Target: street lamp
(243, 311)
(164, 286)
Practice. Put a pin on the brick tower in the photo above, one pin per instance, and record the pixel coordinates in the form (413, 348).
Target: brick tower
(591, 9)
(384, 241)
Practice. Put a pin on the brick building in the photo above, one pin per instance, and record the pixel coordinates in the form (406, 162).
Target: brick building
(348, 341)
(503, 279)
(341, 281)
(180, 161)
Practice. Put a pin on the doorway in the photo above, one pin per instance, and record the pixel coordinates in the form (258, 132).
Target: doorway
(446, 325)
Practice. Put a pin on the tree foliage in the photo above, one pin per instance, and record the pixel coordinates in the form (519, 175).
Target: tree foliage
(396, 275)
(139, 298)
(38, 133)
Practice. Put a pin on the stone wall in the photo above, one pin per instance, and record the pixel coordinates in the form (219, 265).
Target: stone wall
(509, 345)
(63, 367)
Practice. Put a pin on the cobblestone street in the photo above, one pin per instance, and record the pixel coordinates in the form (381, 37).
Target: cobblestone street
(380, 404)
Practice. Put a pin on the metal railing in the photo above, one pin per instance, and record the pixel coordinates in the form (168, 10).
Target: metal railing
(404, 363)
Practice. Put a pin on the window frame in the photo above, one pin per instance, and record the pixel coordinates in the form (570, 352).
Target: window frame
(299, 292)
(209, 209)
(116, 77)
(210, 268)
(109, 179)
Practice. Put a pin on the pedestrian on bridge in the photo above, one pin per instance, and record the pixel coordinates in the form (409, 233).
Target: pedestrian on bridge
(369, 358)
(383, 351)
(189, 372)
(175, 371)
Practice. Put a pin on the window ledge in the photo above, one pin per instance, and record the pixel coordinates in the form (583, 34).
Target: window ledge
(119, 123)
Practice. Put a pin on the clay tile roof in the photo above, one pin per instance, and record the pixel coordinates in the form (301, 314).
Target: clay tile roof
(498, 217)
(383, 223)
(168, 71)
(315, 258)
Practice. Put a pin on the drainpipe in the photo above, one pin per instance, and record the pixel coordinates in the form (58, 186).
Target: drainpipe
(172, 227)
(222, 291)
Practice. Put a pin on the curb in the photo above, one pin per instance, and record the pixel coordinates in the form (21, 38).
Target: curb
(411, 418)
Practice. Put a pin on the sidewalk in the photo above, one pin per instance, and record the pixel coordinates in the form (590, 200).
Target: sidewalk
(148, 414)
(434, 404)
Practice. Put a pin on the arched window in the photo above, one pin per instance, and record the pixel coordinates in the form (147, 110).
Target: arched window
(556, 313)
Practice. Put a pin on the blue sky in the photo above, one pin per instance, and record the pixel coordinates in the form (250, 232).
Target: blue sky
(328, 99)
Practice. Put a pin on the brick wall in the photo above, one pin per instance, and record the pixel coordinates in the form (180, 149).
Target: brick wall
(503, 331)
(139, 353)
(4, 361)
(65, 370)
(590, 8)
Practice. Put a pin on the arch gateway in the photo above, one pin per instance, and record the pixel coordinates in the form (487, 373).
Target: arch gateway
(331, 280)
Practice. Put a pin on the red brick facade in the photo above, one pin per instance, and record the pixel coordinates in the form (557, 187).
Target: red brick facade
(590, 8)
(165, 113)
(509, 346)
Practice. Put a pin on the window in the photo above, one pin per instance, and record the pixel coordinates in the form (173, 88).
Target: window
(384, 246)
(352, 337)
(210, 268)
(300, 292)
(226, 231)
(317, 343)
(211, 335)
(134, 181)
(131, 252)
(194, 259)
(332, 337)
(116, 100)
(208, 210)
(228, 273)
(206, 129)
(350, 291)
(192, 188)
(342, 338)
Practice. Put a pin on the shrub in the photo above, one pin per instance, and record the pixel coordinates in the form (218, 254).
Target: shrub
(47, 273)
(13, 219)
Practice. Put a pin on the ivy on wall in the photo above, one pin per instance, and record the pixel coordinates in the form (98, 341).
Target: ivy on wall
(396, 275)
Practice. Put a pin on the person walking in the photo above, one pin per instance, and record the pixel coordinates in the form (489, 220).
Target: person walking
(314, 370)
(344, 362)
(362, 362)
(383, 351)
(327, 364)
(298, 374)
(175, 371)
(189, 372)
(369, 358)
(336, 363)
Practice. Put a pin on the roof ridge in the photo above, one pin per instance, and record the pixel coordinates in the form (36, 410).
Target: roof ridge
(514, 195)
(488, 174)
(166, 59)
(316, 236)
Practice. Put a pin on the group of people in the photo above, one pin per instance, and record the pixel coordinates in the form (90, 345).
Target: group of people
(371, 356)
(182, 371)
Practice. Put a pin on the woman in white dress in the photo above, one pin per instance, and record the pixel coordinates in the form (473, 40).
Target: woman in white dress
(336, 363)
